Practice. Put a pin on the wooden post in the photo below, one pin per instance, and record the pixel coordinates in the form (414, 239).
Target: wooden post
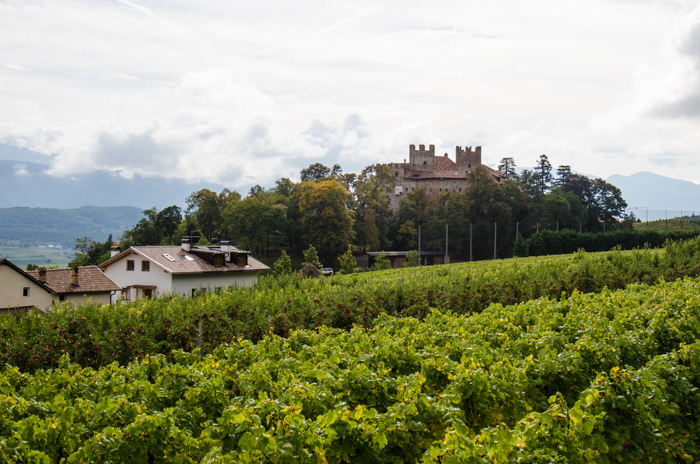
(471, 258)
(447, 245)
(420, 258)
(495, 236)
(199, 342)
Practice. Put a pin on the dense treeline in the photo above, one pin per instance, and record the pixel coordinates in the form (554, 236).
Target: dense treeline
(610, 377)
(330, 210)
(99, 335)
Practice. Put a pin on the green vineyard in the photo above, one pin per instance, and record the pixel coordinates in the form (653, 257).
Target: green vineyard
(96, 336)
(608, 377)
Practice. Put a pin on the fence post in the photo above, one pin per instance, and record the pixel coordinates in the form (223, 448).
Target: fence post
(495, 236)
(471, 258)
(447, 244)
(420, 258)
(199, 342)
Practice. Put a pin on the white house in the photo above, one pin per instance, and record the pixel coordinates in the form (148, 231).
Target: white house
(146, 271)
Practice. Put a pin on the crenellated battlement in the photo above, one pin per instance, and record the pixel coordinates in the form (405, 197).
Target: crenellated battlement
(422, 159)
(468, 158)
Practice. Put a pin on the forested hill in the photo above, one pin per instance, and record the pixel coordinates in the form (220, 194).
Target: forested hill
(40, 226)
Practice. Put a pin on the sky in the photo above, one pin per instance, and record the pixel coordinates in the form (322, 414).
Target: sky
(243, 93)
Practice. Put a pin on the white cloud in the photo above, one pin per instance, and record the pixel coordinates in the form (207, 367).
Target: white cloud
(244, 93)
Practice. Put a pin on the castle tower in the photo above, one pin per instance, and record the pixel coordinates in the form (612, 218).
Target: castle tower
(422, 159)
(467, 158)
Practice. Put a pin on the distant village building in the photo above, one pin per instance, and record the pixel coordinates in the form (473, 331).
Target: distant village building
(436, 174)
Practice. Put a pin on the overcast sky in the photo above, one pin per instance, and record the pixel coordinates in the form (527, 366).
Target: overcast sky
(240, 93)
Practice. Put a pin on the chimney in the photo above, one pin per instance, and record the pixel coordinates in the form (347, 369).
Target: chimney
(225, 246)
(74, 275)
(185, 244)
(42, 275)
(113, 251)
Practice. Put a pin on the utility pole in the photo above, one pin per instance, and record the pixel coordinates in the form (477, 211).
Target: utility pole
(420, 258)
(447, 244)
(495, 236)
(471, 258)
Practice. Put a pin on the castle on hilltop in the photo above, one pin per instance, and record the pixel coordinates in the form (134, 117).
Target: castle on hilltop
(436, 174)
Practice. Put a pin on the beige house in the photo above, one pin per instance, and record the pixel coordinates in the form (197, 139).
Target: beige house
(19, 290)
(78, 284)
(148, 271)
(43, 288)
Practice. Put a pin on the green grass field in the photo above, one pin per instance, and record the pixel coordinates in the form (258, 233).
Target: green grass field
(670, 225)
(41, 256)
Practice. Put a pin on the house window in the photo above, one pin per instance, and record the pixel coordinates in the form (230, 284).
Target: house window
(62, 297)
(129, 264)
(218, 260)
(145, 266)
(126, 293)
(148, 293)
(25, 292)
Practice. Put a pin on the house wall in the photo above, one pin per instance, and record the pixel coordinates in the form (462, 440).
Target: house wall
(12, 284)
(156, 276)
(97, 297)
(184, 283)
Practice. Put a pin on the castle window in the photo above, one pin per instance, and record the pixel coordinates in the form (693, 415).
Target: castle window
(469, 165)
(424, 163)
(460, 190)
(396, 174)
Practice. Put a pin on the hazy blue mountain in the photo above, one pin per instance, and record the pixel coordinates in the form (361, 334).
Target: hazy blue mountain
(656, 192)
(40, 226)
(23, 183)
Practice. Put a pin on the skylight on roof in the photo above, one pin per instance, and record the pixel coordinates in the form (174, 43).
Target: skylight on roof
(168, 257)
(189, 258)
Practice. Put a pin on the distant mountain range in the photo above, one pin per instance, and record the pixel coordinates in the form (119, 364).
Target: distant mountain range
(648, 190)
(23, 226)
(23, 183)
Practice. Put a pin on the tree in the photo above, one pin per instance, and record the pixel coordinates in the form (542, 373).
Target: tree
(327, 222)
(507, 168)
(311, 257)
(544, 171)
(283, 265)
(168, 220)
(254, 218)
(371, 206)
(206, 208)
(91, 253)
(381, 262)
(603, 201)
(348, 263)
(412, 259)
(315, 172)
(563, 172)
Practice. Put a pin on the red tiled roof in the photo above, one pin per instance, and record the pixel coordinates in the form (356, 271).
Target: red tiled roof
(90, 279)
